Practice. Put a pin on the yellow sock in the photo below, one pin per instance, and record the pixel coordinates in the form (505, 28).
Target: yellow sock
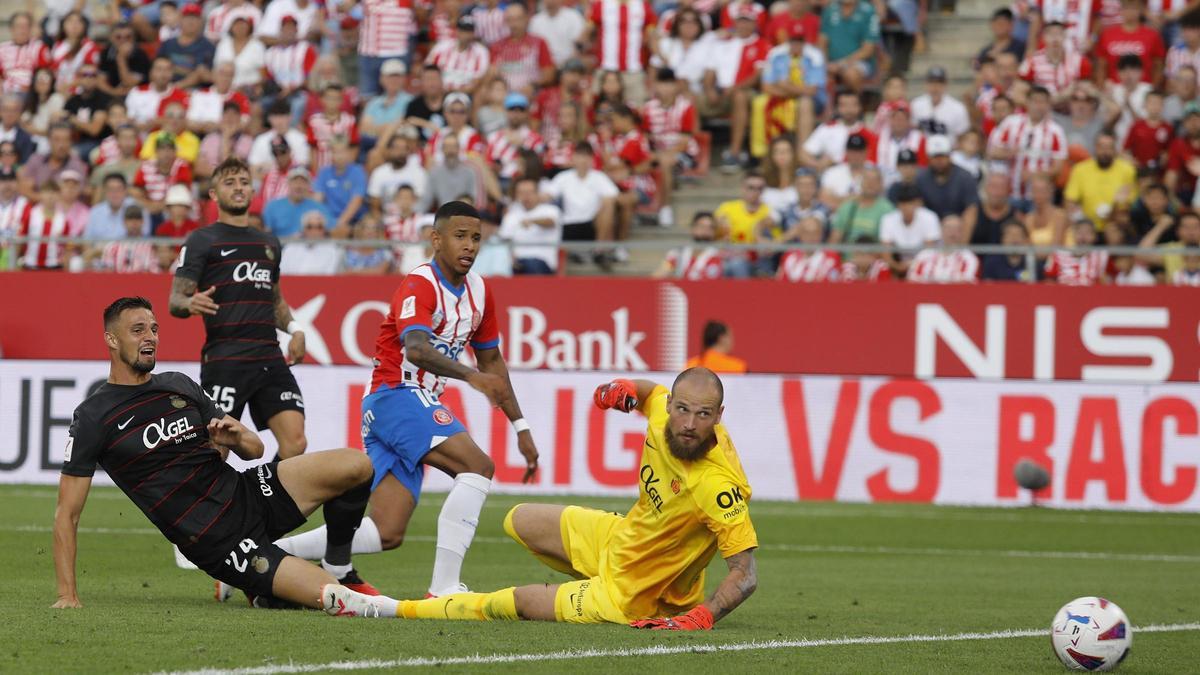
(463, 607)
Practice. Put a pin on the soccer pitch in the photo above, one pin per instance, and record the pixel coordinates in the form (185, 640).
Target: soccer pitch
(843, 588)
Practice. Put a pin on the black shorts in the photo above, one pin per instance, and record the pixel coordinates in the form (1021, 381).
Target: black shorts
(579, 231)
(269, 389)
(240, 548)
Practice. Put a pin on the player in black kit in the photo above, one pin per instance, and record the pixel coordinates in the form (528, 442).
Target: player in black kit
(238, 269)
(164, 443)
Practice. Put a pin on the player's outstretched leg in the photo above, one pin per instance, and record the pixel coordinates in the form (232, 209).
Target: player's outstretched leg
(340, 481)
(538, 527)
(534, 602)
(383, 530)
(472, 470)
(303, 583)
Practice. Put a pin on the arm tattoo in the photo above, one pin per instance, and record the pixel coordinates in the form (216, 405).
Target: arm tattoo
(491, 361)
(181, 290)
(283, 313)
(424, 356)
(738, 585)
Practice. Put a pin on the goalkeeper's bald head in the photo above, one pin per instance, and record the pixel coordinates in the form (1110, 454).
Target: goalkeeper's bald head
(701, 377)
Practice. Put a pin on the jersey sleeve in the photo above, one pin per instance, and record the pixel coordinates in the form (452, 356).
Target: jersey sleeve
(413, 306)
(487, 335)
(84, 442)
(193, 256)
(723, 501)
(655, 405)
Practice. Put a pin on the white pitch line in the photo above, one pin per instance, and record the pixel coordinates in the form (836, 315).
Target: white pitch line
(658, 650)
(788, 548)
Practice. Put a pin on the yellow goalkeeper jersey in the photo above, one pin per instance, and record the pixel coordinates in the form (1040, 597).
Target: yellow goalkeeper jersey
(686, 512)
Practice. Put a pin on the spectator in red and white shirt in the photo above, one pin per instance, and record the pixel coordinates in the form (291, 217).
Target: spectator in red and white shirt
(288, 63)
(1055, 66)
(275, 181)
(956, 266)
(205, 106)
(897, 136)
(44, 218)
(12, 207)
(699, 260)
(330, 122)
(490, 25)
(73, 50)
(1077, 17)
(221, 19)
(523, 60)
(1130, 37)
(504, 146)
(308, 15)
(622, 31)
(386, 32)
(1085, 268)
(145, 102)
(457, 109)
(1183, 157)
(797, 12)
(865, 266)
(1186, 53)
(627, 160)
(22, 55)
(808, 266)
(155, 176)
(1032, 143)
(670, 121)
(126, 257)
(463, 61)
(826, 145)
(736, 9)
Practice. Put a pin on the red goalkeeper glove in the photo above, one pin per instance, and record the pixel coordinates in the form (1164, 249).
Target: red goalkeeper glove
(700, 618)
(618, 394)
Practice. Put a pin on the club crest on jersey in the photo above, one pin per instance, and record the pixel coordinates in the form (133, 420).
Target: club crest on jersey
(675, 485)
(270, 253)
(177, 402)
(442, 417)
(476, 319)
(438, 317)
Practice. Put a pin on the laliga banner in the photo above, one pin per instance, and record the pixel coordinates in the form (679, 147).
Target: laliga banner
(990, 331)
(814, 438)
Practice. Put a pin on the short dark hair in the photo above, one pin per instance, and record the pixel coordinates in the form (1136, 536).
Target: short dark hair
(705, 373)
(114, 310)
(451, 210)
(584, 148)
(1037, 90)
(231, 164)
(701, 214)
(713, 331)
(279, 107)
(1013, 222)
(332, 86)
(117, 176)
(1156, 187)
(1129, 61)
(1003, 13)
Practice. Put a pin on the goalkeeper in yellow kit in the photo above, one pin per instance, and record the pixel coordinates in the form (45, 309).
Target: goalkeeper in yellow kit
(647, 567)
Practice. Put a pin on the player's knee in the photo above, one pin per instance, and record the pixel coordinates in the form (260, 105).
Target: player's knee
(390, 538)
(483, 465)
(292, 445)
(359, 467)
(510, 527)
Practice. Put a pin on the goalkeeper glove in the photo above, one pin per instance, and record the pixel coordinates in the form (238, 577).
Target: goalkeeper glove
(700, 618)
(618, 394)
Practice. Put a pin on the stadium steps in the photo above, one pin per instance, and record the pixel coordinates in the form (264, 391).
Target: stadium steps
(954, 39)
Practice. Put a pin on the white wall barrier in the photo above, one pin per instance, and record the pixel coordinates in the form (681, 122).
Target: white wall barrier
(848, 439)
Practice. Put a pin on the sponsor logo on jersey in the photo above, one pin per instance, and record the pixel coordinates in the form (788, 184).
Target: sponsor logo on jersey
(249, 270)
(409, 308)
(442, 417)
(158, 433)
(292, 396)
(648, 480)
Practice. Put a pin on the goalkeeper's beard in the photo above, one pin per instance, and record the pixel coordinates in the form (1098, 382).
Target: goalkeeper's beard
(689, 452)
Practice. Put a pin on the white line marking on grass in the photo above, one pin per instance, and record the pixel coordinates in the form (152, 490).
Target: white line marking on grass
(659, 650)
(789, 548)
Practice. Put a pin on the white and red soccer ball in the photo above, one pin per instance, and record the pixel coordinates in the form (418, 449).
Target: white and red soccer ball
(1091, 634)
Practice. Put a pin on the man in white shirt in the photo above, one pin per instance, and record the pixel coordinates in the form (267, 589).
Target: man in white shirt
(935, 113)
(588, 197)
(534, 228)
(313, 253)
(910, 227)
(402, 166)
(305, 12)
(826, 145)
(842, 181)
(559, 27)
(279, 117)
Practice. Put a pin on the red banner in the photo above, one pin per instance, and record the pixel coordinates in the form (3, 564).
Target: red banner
(991, 331)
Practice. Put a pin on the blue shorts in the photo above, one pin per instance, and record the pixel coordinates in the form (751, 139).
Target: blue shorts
(400, 426)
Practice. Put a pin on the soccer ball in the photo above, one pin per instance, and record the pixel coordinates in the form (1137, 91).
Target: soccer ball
(1091, 634)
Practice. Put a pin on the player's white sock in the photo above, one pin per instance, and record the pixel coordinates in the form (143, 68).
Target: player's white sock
(338, 571)
(311, 545)
(456, 529)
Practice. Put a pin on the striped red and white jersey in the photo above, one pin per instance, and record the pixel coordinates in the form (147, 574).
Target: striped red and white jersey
(1162, 7)
(109, 151)
(1179, 56)
(759, 12)
(460, 67)
(883, 114)
(808, 267)
(223, 16)
(620, 32)
(127, 257)
(469, 142)
(559, 149)
(489, 24)
(1055, 75)
(888, 148)
(944, 267)
(1076, 15)
(696, 264)
(520, 61)
(11, 215)
(18, 62)
(289, 65)
(442, 27)
(400, 227)
(145, 103)
(1186, 277)
(454, 317)
(666, 124)
(387, 27)
(321, 132)
(1077, 270)
(156, 183)
(66, 64)
(1037, 145)
(274, 183)
(504, 145)
(878, 271)
(35, 223)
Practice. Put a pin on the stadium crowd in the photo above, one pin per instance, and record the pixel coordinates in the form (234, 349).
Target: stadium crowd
(573, 120)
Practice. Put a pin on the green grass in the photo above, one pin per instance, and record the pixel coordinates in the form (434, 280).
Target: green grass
(934, 571)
